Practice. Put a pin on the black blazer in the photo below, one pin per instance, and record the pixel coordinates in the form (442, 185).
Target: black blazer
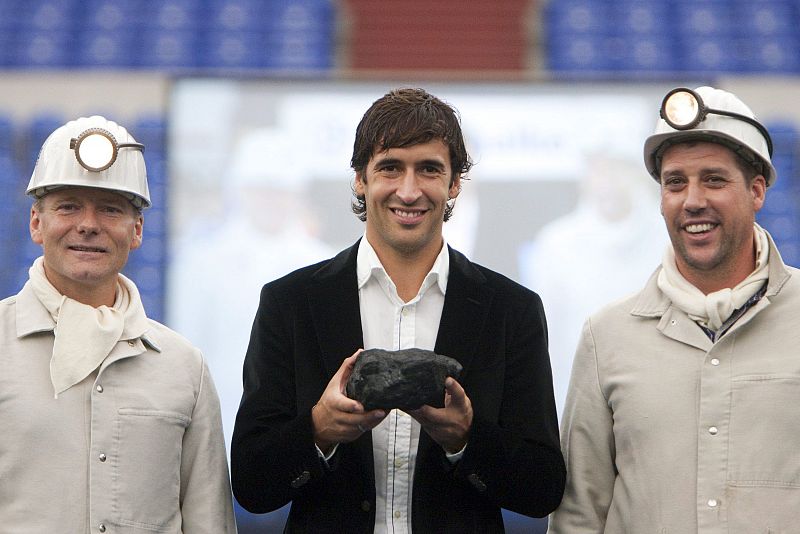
(309, 321)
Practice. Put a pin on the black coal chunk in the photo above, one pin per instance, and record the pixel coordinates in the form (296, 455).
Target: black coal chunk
(404, 379)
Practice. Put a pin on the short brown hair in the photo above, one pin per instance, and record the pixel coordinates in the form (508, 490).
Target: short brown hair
(402, 118)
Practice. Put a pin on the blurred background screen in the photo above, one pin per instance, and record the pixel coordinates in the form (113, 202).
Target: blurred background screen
(261, 185)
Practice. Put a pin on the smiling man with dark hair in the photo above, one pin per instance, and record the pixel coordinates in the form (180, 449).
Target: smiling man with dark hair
(300, 439)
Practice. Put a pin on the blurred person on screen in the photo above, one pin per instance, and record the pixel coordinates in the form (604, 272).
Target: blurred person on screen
(681, 411)
(602, 250)
(111, 421)
(493, 445)
(269, 230)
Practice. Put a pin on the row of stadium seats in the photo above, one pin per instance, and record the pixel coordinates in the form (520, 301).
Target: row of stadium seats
(285, 35)
(662, 38)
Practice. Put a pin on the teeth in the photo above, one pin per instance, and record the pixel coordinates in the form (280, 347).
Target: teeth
(406, 213)
(697, 228)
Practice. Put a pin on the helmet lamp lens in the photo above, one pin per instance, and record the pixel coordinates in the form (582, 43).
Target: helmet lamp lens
(96, 152)
(96, 149)
(681, 110)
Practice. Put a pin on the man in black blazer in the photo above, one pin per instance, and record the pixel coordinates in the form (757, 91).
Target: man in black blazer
(299, 438)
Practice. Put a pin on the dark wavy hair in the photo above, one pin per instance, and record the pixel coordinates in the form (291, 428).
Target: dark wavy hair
(403, 118)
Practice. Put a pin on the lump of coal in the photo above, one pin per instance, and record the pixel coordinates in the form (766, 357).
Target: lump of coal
(404, 379)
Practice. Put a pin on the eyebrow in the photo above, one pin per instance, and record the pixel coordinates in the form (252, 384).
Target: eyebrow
(386, 160)
(703, 171)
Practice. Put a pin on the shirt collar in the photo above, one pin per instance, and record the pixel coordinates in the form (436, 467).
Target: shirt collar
(368, 265)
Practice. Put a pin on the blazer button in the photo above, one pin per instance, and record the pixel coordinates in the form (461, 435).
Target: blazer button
(302, 479)
(366, 506)
(476, 481)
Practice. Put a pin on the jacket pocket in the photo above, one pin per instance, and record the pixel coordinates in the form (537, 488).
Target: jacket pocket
(764, 432)
(147, 464)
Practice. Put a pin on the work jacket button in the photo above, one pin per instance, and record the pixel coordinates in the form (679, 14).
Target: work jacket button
(102, 457)
(101, 527)
(366, 506)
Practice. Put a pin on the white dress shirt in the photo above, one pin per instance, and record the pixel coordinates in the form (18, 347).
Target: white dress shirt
(391, 324)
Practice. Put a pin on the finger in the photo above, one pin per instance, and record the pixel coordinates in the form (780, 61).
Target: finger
(345, 404)
(347, 365)
(345, 370)
(425, 415)
(458, 397)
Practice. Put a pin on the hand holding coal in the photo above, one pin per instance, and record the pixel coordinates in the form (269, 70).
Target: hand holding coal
(404, 379)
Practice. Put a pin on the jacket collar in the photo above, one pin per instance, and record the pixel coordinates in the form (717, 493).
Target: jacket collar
(33, 318)
(334, 305)
(652, 302)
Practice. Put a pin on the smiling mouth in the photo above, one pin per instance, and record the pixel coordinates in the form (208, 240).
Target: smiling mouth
(80, 248)
(405, 214)
(699, 228)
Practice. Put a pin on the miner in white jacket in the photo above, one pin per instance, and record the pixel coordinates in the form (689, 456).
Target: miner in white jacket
(111, 423)
(682, 413)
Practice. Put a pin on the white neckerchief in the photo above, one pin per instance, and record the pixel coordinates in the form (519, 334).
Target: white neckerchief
(85, 335)
(713, 309)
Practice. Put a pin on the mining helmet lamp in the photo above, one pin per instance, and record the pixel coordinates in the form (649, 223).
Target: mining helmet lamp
(684, 109)
(96, 149)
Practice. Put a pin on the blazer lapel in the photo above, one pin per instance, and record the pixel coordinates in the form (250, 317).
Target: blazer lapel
(334, 305)
(333, 301)
(466, 309)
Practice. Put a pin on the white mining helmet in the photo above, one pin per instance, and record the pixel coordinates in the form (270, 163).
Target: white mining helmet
(92, 152)
(708, 114)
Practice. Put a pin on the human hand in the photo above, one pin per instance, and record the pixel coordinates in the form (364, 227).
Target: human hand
(335, 417)
(448, 426)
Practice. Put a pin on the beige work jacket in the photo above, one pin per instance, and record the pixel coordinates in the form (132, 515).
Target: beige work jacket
(135, 448)
(665, 432)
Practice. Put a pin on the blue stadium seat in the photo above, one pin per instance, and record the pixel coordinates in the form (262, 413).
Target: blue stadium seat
(236, 15)
(167, 49)
(637, 17)
(708, 54)
(111, 15)
(175, 15)
(239, 49)
(101, 48)
(582, 53)
(704, 18)
(288, 51)
(643, 56)
(47, 15)
(577, 17)
(767, 18)
(44, 49)
(778, 54)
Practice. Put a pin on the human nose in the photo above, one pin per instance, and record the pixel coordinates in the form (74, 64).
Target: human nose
(695, 198)
(408, 189)
(88, 222)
